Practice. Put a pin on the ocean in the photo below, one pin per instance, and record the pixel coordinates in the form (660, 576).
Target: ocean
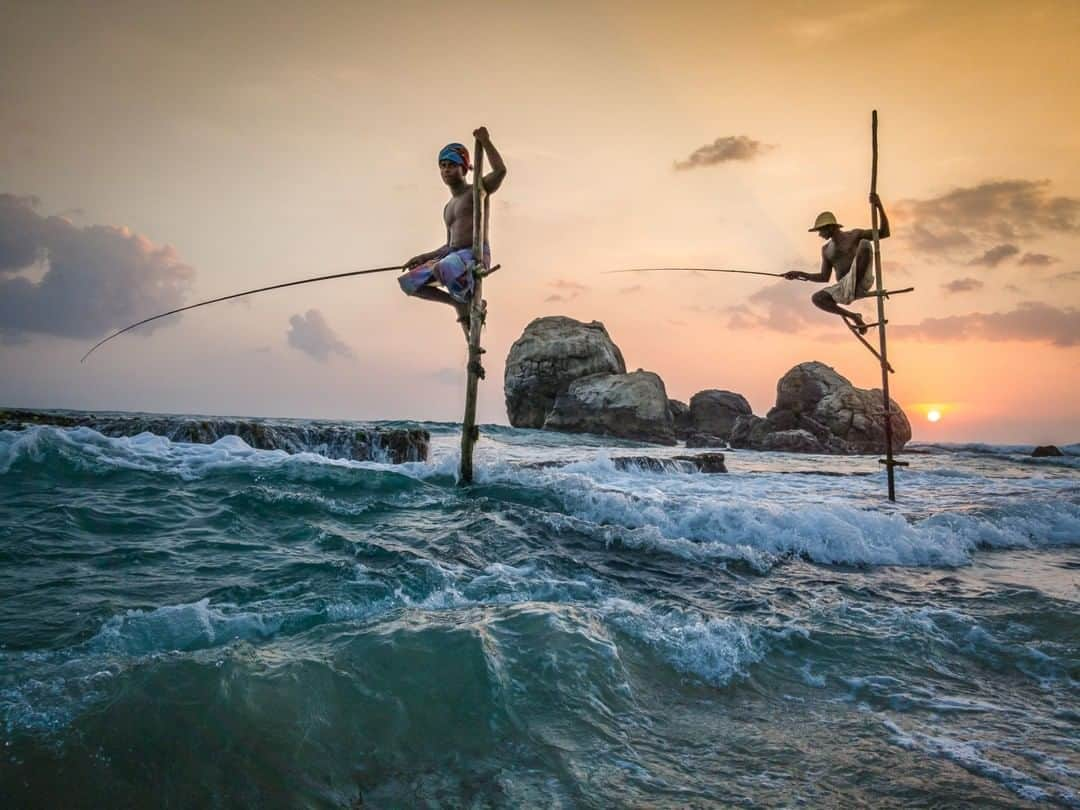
(211, 625)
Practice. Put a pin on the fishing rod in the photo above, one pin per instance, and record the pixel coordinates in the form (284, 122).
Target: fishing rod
(240, 295)
(697, 270)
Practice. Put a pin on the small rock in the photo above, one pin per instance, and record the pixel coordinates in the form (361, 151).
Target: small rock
(1046, 451)
(713, 412)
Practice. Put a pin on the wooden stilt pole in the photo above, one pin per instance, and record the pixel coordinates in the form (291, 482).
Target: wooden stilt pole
(888, 461)
(477, 313)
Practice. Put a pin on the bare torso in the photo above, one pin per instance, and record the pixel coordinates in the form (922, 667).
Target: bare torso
(458, 216)
(840, 251)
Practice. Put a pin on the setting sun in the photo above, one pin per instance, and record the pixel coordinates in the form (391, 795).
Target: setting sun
(933, 416)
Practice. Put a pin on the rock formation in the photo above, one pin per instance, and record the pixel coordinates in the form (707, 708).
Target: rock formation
(552, 353)
(333, 440)
(713, 412)
(819, 411)
(627, 406)
(680, 417)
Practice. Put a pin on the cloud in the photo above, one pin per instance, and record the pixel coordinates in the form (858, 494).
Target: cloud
(994, 210)
(312, 335)
(1038, 259)
(1067, 276)
(962, 285)
(995, 256)
(98, 278)
(1030, 321)
(633, 288)
(783, 307)
(924, 239)
(569, 290)
(723, 150)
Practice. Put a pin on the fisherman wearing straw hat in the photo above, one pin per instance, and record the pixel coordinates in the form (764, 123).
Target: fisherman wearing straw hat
(450, 264)
(841, 250)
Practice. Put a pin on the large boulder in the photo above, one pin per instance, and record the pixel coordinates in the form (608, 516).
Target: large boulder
(749, 432)
(627, 406)
(714, 412)
(813, 397)
(551, 353)
(680, 416)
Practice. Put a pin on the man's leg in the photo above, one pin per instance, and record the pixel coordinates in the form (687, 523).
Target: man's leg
(430, 293)
(822, 300)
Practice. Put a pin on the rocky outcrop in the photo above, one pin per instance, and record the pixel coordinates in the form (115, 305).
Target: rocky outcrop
(680, 417)
(819, 411)
(1046, 451)
(704, 440)
(709, 463)
(627, 406)
(333, 440)
(552, 353)
(749, 432)
(713, 412)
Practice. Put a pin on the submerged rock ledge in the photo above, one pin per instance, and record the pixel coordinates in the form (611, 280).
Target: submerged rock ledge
(330, 439)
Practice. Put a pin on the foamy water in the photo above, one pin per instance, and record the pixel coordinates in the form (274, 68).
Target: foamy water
(222, 625)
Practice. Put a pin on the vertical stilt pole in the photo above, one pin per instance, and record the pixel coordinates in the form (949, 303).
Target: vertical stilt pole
(890, 464)
(477, 312)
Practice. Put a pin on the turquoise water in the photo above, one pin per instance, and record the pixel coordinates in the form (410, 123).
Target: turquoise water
(215, 626)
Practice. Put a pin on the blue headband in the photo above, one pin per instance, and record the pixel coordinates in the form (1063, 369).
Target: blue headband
(455, 153)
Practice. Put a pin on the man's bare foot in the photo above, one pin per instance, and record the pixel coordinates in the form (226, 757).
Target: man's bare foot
(859, 324)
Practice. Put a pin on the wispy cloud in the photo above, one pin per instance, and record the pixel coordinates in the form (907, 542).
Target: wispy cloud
(783, 307)
(995, 256)
(311, 334)
(724, 150)
(567, 290)
(98, 278)
(962, 285)
(1038, 259)
(1030, 321)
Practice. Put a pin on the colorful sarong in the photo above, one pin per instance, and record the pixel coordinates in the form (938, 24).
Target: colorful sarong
(452, 271)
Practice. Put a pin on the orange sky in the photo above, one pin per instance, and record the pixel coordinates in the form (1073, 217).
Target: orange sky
(266, 146)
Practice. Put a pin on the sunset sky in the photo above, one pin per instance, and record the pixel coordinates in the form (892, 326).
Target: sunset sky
(160, 154)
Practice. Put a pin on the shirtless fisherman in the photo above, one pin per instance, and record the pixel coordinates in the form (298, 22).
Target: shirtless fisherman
(842, 249)
(449, 265)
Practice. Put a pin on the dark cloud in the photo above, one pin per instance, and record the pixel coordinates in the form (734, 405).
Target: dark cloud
(995, 256)
(1030, 321)
(1038, 259)
(724, 150)
(993, 211)
(312, 335)
(97, 279)
(962, 285)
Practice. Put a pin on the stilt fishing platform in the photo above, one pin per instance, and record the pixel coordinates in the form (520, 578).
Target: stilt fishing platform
(881, 353)
(470, 433)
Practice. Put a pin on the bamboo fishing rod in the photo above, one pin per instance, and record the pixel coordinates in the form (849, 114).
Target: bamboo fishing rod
(697, 270)
(240, 295)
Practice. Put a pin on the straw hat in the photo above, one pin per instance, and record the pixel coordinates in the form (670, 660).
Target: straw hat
(823, 219)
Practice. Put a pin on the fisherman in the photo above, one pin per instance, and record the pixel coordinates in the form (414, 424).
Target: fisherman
(452, 264)
(841, 250)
